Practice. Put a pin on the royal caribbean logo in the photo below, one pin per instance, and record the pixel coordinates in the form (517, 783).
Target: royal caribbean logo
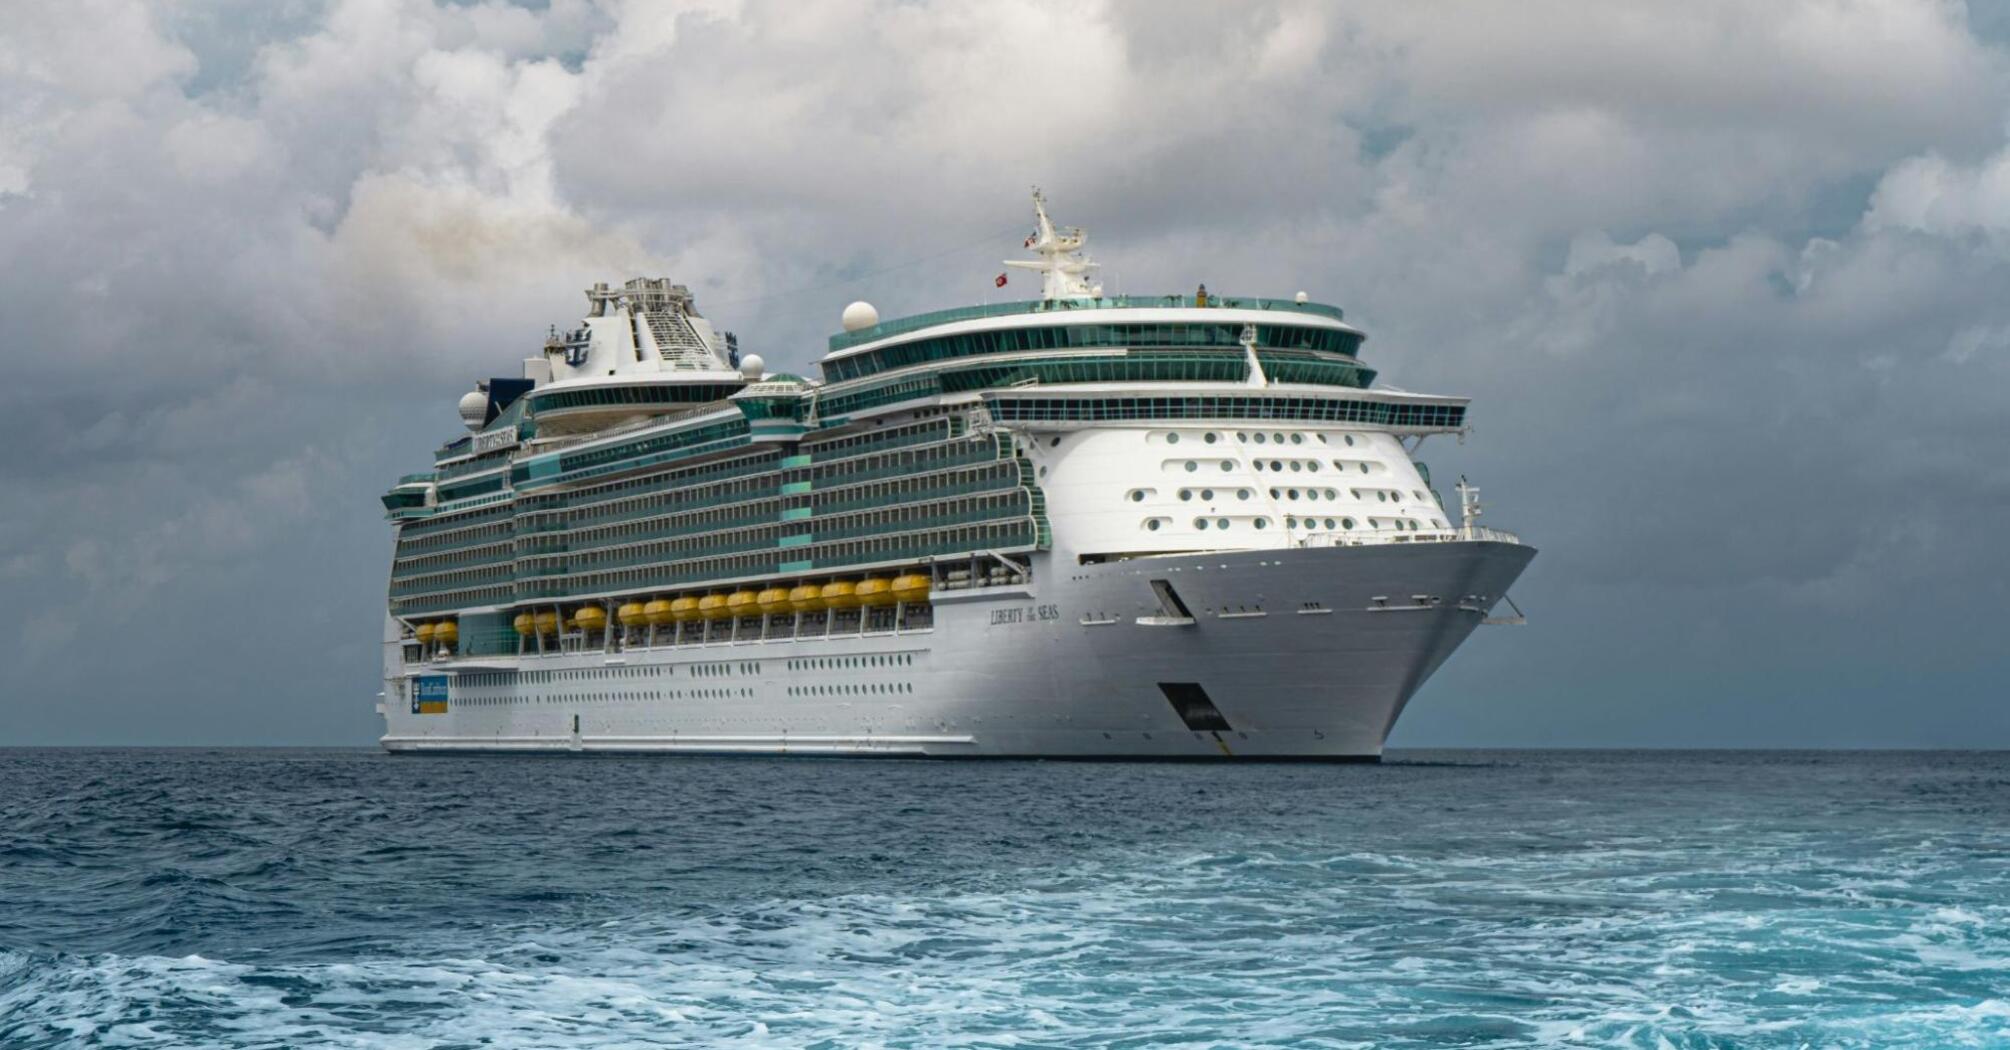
(429, 697)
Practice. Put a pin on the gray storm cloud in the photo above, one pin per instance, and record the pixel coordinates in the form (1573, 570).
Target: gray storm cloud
(1725, 279)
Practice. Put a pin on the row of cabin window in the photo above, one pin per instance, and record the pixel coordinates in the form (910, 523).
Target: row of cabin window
(819, 556)
(909, 460)
(432, 530)
(1070, 336)
(820, 449)
(457, 558)
(654, 443)
(471, 535)
(1016, 409)
(897, 518)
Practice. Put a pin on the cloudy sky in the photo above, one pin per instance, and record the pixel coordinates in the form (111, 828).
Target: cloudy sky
(1729, 282)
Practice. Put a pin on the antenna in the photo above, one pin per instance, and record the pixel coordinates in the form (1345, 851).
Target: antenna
(1064, 269)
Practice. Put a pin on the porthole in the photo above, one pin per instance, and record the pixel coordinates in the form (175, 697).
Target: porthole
(1221, 523)
(1356, 493)
(1227, 465)
(1152, 524)
(1296, 466)
(1259, 439)
(1241, 493)
(1292, 493)
(1256, 465)
(1291, 523)
(1312, 465)
(1054, 442)
(1137, 495)
(1277, 466)
(1380, 496)
(1241, 436)
(1349, 438)
(1346, 523)
(1186, 494)
(1298, 439)
(1210, 437)
(1273, 493)
(1364, 467)
(1207, 494)
(1279, 438)
(1329, 523)
(1263, 523)
(1172, 439)
(1191, 466)
(1200, 523)
(1321, 437)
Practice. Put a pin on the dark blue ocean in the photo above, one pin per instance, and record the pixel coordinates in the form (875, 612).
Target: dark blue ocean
(222, 898)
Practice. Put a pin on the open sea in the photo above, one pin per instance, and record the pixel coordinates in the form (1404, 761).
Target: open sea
(294, 898)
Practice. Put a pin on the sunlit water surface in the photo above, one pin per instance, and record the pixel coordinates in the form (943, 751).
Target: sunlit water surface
(332, 898)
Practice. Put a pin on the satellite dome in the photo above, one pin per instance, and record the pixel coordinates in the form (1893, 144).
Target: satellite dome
(859, 315)
(474, 409)
(1301, 298)
(751, 367)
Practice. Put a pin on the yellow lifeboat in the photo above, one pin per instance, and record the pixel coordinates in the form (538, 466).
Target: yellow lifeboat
(685, 608)
(525, 623)
(773, 600)
(838, 595)
(446, 632)
(547, 623)
(590, 617)
(913, 587)
(658, 613)
(631, 615)
(807, 599)
(874, 591)
(742, 603)
(423, 632)
(712, 607)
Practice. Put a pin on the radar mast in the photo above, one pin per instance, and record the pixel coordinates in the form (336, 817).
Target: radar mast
(1063, 268)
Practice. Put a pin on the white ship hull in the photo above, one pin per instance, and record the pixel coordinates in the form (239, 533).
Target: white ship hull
(1298, 653)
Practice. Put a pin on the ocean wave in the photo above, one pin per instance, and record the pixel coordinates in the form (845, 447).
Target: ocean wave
(562, 904)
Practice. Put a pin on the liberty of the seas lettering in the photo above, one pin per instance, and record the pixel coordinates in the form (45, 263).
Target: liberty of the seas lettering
(1029, 614)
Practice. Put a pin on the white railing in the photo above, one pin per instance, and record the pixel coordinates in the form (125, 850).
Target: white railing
(1372, 537)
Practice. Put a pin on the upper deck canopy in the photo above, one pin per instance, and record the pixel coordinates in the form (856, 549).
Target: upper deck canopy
(845, 343)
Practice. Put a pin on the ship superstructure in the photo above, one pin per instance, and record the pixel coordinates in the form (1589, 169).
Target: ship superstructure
(1083, 525)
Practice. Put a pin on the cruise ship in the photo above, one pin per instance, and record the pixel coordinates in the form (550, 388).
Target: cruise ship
(1080, 526)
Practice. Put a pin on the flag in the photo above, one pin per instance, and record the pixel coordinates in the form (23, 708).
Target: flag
(998, 281)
